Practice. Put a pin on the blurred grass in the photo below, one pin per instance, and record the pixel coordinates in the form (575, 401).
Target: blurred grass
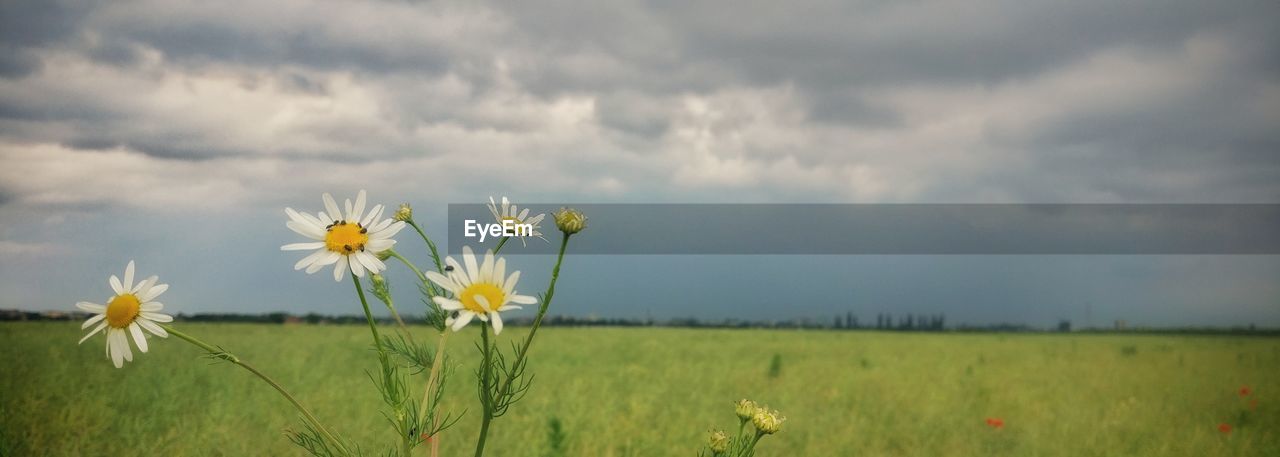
(655, 391)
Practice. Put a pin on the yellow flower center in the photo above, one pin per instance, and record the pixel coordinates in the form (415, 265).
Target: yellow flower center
(122, 310)
(346, 237)
(490, 292)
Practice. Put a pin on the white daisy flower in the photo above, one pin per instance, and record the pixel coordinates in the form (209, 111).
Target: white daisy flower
(130, 310)
(351, 241)
(480, 291)
(509, 212)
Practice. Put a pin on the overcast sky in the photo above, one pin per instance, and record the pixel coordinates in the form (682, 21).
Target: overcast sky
(175, 133)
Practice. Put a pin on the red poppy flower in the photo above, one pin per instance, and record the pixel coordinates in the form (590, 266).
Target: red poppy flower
(1225, 428)
(995, 422)
(1245, 391)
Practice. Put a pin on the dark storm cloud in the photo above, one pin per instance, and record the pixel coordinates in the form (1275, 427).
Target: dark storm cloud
(840, 63)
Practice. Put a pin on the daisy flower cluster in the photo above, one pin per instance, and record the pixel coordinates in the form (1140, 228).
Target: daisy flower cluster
(762, 421)
(359, 238)
(348, 239)
(480, 290)
(127, 313)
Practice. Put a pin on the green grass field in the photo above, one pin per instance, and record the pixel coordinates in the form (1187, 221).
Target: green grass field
(655, 392)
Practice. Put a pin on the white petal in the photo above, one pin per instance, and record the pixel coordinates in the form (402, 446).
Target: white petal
(154, 292)
(138, 337)
(493, 208)
(92, 320)
(509, 308)
(448, 304)
(483, 302)
(156, 316)
(310, 259)
(443, 281)
(314, 268)
(379, 245)
(94, 332)
(388, 232)
(462, 320)
(114, 338)
(128, 277)
(469, 257)
(302, 246)
(499, 271)
(330, 206)
(509, 287)
(506, 206)
(523, 299)
(153, 328)
(144, 286)
(339, 269)
(497, 323)
(380, 226)
(306, 219)
(370, 262)
(374, 214)
(123, 343)
(91, 307)
(357, 268)
(459, 274)
(329, 259)
(358, 210)
(115, 285)
(305, 230)
(315, 221)
(151, 306)
(486, 267)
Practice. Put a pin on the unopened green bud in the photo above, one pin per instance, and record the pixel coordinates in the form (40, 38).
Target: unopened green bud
(570, 221)
(745, 409)
(404, 213)
(718, 442)
(383, 255)
(767, 422)
(380, 288)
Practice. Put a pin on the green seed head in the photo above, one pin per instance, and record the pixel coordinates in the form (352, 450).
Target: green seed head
(745, 409)
(767, 422)
(718, 442)
(570, 221)
(405, 213)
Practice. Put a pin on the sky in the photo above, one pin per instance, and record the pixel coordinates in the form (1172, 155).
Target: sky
(175, 133)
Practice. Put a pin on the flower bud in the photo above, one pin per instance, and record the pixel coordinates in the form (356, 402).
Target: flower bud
(767, 422)
(745, 409)
(570, 221)
(383, 255)
(404, 213)
(718, 442)
(380, 288)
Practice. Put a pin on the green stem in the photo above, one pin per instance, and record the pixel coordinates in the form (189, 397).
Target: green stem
(368, 315)
(751, 449)
(236, 360)
(407, 263)
(434, 253)
(501, 243)
(485, 400)
(524, 348)
(542, 310)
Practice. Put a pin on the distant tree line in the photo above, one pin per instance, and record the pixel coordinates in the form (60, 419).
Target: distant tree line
(846, 321)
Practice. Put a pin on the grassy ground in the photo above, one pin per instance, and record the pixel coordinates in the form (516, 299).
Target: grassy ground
(654, 392)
